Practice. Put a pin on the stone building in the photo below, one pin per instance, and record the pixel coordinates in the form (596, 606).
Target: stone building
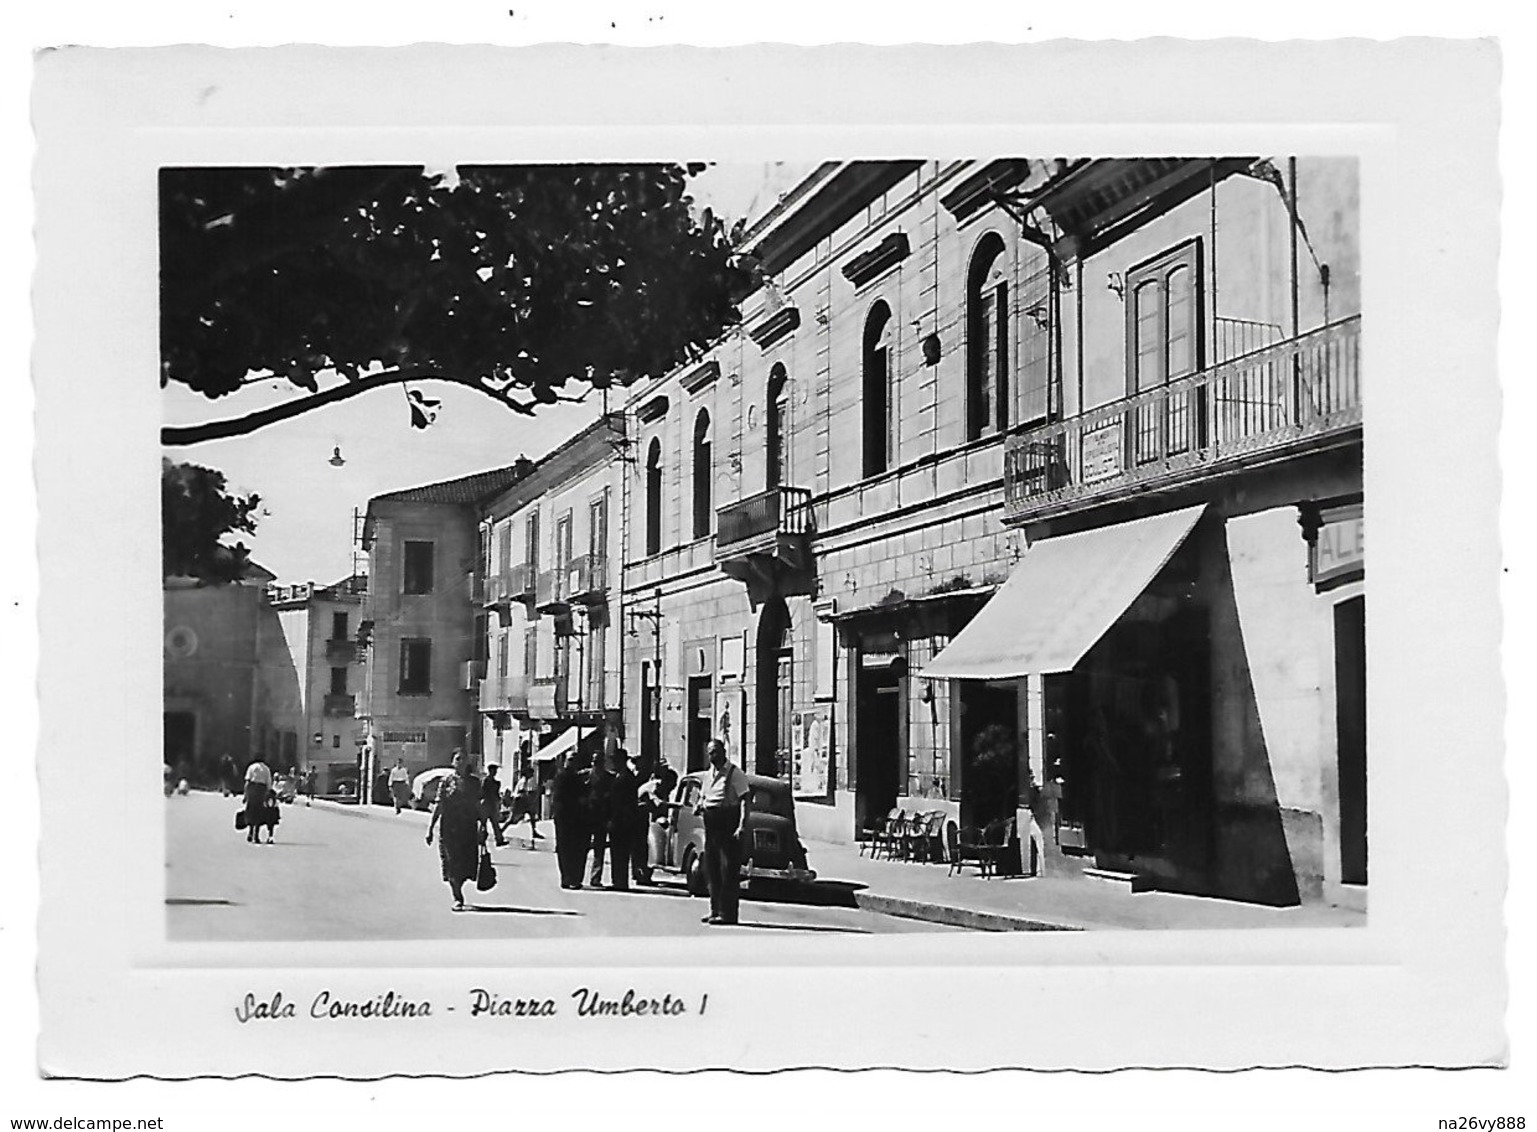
(313, 694)
(1113, 404)
(550, 595)
(419, 623)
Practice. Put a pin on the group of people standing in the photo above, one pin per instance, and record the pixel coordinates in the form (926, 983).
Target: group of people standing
(605, 810)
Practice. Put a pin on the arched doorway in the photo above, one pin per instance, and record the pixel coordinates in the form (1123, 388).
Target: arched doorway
(775, 683)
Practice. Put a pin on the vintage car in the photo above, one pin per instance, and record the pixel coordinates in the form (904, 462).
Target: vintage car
(285, 787)
(675, 841)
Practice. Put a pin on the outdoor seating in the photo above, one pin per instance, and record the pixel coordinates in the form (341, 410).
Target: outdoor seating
(934, 836)
(967, 847)
(870, 837)
(888, 835)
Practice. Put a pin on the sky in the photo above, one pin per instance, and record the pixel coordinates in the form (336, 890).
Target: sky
(305, 526)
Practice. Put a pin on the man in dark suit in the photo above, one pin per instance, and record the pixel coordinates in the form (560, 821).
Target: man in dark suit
(568, 809)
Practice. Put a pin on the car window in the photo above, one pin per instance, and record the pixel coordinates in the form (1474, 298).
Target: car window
(689, 794)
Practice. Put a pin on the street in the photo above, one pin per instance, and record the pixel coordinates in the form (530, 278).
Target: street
(338, 874)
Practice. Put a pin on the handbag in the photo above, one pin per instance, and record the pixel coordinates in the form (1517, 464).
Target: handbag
(485, 876)
(239, 819)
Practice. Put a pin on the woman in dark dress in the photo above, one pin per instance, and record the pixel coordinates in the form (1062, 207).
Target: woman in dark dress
(458, 811)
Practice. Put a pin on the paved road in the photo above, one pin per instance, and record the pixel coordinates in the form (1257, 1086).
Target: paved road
(334, 874)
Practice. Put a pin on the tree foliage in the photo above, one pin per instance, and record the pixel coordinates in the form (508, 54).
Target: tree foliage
(196, 512)
(508, 279)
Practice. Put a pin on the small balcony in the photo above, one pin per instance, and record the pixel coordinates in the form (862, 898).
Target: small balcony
(502, 693)
(339, 704)
(765, 540)
(518, 583)
(587, 582)
(550, 594)
(341, 650)
(1290, 397)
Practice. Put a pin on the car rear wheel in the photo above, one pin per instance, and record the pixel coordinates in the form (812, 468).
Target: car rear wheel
(693, 875)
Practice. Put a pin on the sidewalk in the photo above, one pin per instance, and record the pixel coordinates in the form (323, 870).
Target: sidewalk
(927, 891)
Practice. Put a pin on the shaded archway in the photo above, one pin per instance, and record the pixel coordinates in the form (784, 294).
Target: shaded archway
(774, 681)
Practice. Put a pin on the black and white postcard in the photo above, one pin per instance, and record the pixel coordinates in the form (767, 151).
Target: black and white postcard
(768, 558)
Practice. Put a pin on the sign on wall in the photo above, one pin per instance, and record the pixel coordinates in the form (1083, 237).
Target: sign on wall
(1101, 451)
(1337, 553)
(808, 775)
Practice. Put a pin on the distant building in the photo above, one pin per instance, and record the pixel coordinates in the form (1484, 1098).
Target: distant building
(221, 640)
(424, 642)
(552, 586)
(311, 719)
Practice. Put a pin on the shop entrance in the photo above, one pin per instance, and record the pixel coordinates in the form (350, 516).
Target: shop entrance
(989, 751)
(1129, 741)
(774, 688)
(879, 751)
(701, 711)
(180, 738)
(1350, 727)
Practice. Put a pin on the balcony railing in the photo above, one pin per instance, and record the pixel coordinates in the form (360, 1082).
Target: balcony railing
(777, 511)
(503, 693)
(588, 579)
(1268, 400)
(518, 583)
(339, 704)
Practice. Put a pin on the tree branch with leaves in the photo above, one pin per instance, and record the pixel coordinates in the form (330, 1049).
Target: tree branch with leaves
(522, 282)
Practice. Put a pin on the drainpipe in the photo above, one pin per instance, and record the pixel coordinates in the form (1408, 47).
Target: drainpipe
(1291, 203)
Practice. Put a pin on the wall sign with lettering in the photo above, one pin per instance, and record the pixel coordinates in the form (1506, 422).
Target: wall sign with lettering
(1336, 537)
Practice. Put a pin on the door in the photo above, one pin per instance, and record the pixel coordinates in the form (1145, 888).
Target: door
(785, 696)
(701, 713)
(180, 738)
(880, 749)
(1350, 727)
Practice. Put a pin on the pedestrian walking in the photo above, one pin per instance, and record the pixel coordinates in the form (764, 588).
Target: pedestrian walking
(599, 782)
(623, 820)
(724, 804)
(525, 800)
(229, 776)
(491, 803)
(400, 785)
(458, 812)
(309, 787)
(568, 807)
(258, 784)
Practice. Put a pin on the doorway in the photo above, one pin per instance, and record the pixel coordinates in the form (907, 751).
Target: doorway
(1350, 728)
(880, 751)
(774, 690)
(180, 738)
(701, 712)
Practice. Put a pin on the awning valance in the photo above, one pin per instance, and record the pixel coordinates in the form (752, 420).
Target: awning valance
(1061, 598)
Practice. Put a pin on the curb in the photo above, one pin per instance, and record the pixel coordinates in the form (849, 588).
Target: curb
(909, 909)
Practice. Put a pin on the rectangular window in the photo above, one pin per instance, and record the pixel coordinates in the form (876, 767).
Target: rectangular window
(597, 532)
(501, 656)
(562, 554)
(417, 575)
(339, 626)
(339, 681)
(336, 741)
(531, 544)
(531, 653)
(415, 667)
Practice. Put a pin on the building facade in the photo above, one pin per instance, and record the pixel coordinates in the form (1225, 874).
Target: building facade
(419, 624)
(316, 729)
(950, 366)
(551, 618)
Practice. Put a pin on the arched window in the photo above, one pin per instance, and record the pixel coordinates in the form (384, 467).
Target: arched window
(879, 405)
(704, 473)
(987, 339)
(654, 498)
(778, 418)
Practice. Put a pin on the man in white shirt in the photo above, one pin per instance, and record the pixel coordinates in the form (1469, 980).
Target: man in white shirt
(724, 804)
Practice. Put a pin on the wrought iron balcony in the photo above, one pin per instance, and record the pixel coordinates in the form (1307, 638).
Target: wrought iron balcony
(339, 704)
(587, 583)
(1284, 397)
(503, 693)
(765, 539)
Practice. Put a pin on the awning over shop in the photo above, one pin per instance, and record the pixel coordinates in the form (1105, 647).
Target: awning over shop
(1061, 598)
(558, 745)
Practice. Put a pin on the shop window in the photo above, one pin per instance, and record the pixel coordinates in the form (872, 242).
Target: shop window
(415, 667)
(878, 402)
(778, 418)
(654, 498)
(987, 340)
(703, 473)
(418, 568)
